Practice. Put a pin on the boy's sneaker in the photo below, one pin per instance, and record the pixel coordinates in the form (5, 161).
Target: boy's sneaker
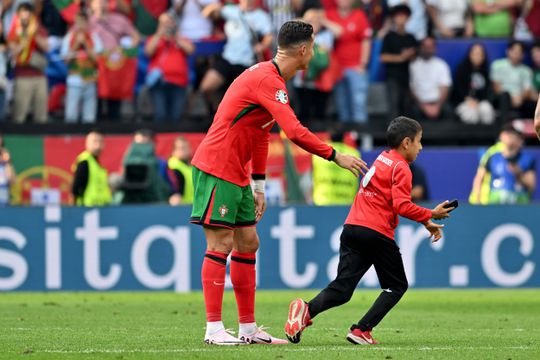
(222, 337)
(261, 337)
(359, 337)
(297, 320)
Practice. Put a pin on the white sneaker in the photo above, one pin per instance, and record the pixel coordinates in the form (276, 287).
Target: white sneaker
(261, 337)
(223, 337)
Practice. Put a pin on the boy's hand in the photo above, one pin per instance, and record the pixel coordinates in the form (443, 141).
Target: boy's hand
(353, 164)
(434, 230)
(440, 211)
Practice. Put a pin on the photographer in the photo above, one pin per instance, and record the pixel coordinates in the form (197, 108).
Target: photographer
(7, 174)
(507, 174)
(168, 71)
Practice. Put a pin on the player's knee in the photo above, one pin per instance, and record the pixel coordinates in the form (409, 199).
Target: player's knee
(401, 289)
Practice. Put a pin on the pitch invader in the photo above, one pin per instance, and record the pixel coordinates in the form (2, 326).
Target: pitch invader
(368, 236)
(235, 149)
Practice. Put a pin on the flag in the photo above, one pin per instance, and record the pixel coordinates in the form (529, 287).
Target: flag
(68, 9)
(117, 72)
(147, 13)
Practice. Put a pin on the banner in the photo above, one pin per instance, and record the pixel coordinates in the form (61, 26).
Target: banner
(154, 248)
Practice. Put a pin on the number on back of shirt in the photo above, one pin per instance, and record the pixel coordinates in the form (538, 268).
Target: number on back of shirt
(368, 176)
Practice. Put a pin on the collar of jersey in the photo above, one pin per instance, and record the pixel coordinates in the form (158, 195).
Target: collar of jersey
(277, 67)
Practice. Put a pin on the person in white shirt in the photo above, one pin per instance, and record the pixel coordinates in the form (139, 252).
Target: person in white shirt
(451, 18)
(430, 83)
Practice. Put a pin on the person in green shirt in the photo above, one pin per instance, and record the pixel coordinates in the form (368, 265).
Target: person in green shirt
(493, 18)
(512, 84)
(535, 56)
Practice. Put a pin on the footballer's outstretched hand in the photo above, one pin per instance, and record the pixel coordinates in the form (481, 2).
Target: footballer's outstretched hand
(353, 164)
(440, 211)
(260, 205)
(434, 230)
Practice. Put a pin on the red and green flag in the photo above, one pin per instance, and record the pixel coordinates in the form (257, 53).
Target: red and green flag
(147, 13)
(117, 73)
(68, 9)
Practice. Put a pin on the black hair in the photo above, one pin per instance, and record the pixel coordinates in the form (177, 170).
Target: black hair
(509, 127)
(513, 43)
(400, 128)
(536, 45)
(400, 9)
(145, 132)
(468, 65)
(293, 33)
(1, 140)
(25, 6)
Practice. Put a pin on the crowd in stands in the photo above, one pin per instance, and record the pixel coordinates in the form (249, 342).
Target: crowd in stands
(105, 46)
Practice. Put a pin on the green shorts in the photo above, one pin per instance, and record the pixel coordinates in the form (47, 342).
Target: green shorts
(221, 203)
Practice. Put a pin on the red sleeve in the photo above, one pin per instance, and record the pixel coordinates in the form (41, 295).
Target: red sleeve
(273, 96)
(364, 31)
(260, 155)
(401, 195)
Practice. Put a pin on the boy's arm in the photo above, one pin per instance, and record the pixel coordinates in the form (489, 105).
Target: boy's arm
(401, 195)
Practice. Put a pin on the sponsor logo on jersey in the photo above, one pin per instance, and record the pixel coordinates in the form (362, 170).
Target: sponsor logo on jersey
(282, 97)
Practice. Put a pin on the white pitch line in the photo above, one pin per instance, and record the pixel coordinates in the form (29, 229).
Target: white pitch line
(279, 348)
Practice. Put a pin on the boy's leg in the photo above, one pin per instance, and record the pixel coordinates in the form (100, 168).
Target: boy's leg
(391, 273)
(355, 258)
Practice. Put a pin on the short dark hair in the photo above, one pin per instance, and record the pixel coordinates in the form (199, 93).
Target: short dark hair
(513, 43)
(400, 128)
(293, 33)
(25, 6)
(536, 45)
(509, 127)
(400, 9)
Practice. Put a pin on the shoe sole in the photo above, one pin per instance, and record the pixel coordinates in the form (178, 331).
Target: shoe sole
(358, 340)
(225, 343)
(293, 327)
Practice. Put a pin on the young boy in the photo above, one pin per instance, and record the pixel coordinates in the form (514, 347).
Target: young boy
(368, 236)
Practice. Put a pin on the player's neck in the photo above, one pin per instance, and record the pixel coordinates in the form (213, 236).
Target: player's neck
(286, 65)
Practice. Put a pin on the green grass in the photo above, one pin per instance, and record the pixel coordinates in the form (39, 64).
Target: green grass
(426, 324)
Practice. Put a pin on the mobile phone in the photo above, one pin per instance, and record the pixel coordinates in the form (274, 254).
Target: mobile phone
(454, 203)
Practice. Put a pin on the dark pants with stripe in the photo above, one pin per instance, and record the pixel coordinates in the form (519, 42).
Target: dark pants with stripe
(360, 248)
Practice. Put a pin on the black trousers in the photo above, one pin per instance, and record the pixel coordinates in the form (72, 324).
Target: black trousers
(360, 248)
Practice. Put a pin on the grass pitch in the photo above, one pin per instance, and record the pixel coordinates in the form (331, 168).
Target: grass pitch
(426, 324)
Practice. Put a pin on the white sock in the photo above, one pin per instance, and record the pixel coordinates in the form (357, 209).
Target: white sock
(247, 328)
(213, 327)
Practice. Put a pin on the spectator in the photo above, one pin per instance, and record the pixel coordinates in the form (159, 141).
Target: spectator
(535, 56)
(90, 182)
(314, 85)
(331, 184)
(512, 83)
(7, 174)
(168, 71)
(8, 9)
(249, 33)
(116, 32)
(79, 49)
(281, 11)
(493, 18)
(451, 18)
(180, 166)
(3, 77)
(52, 21)
(190, 21)
(377, 12)
(532, 14)
(27, 41)
(398, 49)
(473, 87)
(430, 83)
(511, 171)
(420, 189)
(352, 51)
(417, 24)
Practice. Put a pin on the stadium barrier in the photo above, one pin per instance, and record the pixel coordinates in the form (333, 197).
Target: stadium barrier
(154, 248)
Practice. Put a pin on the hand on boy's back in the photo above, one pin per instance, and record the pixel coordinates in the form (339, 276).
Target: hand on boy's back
(440, 211)
(353, 164)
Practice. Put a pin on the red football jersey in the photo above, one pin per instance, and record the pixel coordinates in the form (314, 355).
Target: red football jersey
(385, 193)
(240, 132)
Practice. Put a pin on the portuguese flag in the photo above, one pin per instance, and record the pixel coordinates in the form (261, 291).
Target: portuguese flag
(68, 9)
(147, 13)
(117, 72)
